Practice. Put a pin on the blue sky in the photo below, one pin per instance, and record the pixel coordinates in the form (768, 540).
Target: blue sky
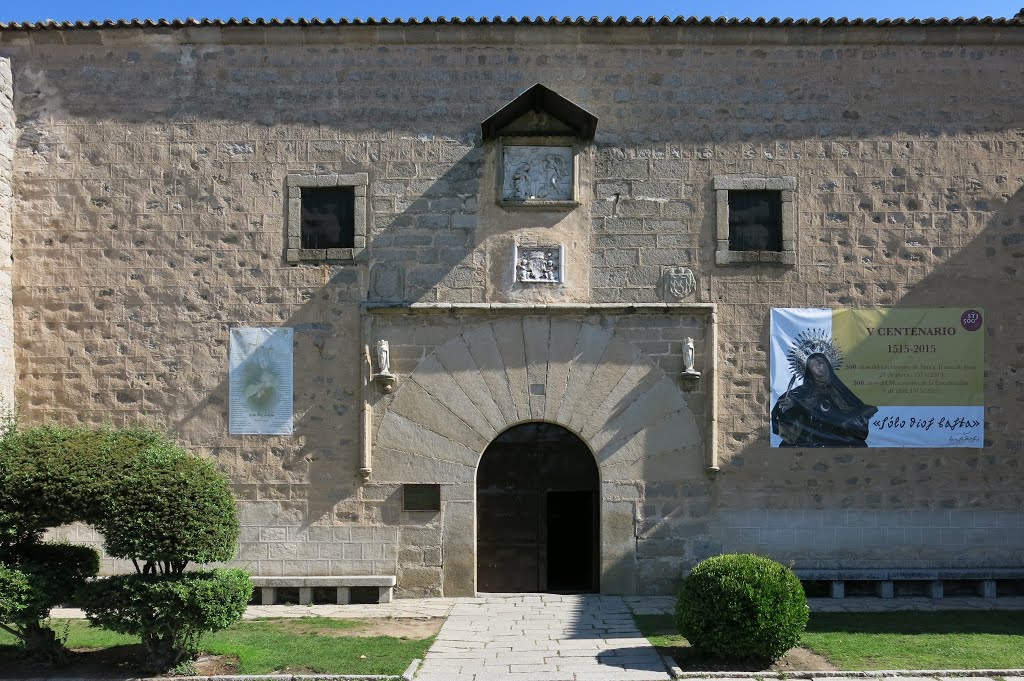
(66, 10)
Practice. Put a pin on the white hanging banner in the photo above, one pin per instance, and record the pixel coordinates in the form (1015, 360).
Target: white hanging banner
(900, 377)
(260, 378)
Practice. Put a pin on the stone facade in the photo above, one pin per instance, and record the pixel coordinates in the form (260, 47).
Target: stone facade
(150, 181)
(604, 372)
(7, 137)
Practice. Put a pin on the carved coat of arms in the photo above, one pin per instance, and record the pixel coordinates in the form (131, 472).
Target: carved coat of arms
(678, 282)
(539, 264)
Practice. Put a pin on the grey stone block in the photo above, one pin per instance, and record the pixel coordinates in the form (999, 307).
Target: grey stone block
(726, 182)
(780, 183)
(339, 253)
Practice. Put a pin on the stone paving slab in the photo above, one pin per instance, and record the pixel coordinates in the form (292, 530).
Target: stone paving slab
(541, 638)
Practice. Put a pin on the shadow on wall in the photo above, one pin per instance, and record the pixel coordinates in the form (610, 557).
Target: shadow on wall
(190, 212)
(581, 373)
(770, 92)
(866, 508)
(291, 484)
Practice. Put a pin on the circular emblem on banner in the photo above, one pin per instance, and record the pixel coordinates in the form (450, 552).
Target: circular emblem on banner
(971, 320)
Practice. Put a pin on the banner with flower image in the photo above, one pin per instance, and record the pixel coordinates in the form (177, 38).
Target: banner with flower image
(900, 377)
(260, 379)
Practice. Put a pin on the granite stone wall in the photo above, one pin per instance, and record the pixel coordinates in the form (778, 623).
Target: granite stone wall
(7, 138)
(609, 374)
(148, 219)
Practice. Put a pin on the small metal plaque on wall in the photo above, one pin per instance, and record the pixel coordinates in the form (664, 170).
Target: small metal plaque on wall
(421, 498)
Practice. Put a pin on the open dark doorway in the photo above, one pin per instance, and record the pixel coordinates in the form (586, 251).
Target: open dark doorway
(537, 512)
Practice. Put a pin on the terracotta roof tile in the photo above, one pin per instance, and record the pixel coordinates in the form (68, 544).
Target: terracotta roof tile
(1017, 20)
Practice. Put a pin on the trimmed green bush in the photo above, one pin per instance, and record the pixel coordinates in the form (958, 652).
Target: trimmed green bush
(34, 579)
(169, 613)
(56, 570)
(741, 606)
(154, 503)
(47, 476)
(51, 476)
(15, 596)
(167, 508)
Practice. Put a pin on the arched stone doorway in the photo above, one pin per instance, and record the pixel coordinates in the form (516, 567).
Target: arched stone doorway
(537, 512)
(637, 425)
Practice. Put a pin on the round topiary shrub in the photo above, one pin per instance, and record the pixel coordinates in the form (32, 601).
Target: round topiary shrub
(166, 508)
(155, 504)
(741, 606)
(169, 613)
(33, 579)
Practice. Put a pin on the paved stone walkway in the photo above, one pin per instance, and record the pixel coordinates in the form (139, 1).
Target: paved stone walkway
(541, 638)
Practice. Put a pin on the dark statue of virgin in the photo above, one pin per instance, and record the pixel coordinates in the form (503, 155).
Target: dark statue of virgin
(822, 411)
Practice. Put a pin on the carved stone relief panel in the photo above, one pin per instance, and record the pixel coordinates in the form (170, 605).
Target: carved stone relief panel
(677, 283)
(537, 174)
(539, 264)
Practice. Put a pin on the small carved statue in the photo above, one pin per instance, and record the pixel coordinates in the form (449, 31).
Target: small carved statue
(384, 357)
(554, 170)
(521, 181)
(688, 356)
(690, 377)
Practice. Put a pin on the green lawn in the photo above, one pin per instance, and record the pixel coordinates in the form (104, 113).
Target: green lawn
(318, 645)
(895, 640)
(919, 640)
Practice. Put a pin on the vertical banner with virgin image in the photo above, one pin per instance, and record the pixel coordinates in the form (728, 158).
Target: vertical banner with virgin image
(260, 371)
(877, 377)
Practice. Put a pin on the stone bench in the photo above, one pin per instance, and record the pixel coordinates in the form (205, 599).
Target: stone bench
(268, 587)
(886, 582)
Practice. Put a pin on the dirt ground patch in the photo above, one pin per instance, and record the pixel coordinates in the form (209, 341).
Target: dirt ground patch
(397, 627)
(802, 660)
(108, 663)
(795, 660)
(401, 627)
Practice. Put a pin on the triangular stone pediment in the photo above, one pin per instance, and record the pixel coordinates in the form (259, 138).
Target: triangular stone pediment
(540, 111)
(535, 123)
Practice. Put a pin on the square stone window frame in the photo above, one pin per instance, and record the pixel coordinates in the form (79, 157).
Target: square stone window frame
(786, 186)
(561, 141)
(295, 183)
